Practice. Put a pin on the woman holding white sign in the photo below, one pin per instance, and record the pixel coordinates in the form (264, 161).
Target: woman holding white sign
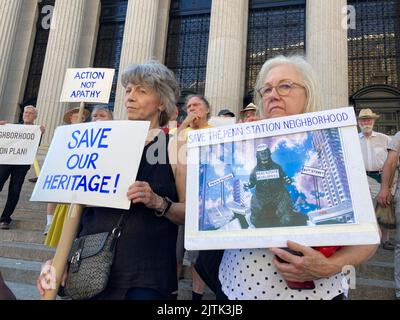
(57, 213)
(287, 86)
(144, 265)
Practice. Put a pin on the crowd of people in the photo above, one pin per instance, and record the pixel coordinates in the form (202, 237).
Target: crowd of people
(150, 252)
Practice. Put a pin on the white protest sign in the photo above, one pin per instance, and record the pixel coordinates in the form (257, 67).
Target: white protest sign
(87, 85)
(306, 153)
(19, 143)
(92, 163)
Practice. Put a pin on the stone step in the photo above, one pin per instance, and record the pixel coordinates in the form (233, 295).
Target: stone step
(23, 291)
(382, 255)
(367, 289)
(22, 274)
(185, 291)
(20, 271)
(24, 203)
(33, 215)
(376, 270)
(29, 292)
(23, 236)
(24, 251)
(29, 224)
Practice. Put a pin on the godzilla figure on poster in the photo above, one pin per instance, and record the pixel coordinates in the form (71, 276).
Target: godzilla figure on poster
(296, 180)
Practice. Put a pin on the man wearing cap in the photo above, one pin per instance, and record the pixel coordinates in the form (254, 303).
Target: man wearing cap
(374, 152)
(248, 112)
(226, 113)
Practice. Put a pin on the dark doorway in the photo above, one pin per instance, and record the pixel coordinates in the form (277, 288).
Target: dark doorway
(384, 100)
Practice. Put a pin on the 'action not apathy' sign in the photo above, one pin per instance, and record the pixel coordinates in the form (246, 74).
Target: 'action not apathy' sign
(87, 85)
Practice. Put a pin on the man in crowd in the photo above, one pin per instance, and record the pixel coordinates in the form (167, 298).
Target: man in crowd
(226, 113)
(374, 151)
(385, 197)
(16, 173)
(249, 112)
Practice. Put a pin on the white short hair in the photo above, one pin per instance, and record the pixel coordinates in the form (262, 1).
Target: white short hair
(308, 78)
(31, 107)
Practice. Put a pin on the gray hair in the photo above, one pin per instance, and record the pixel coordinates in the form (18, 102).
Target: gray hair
(31, 107)
(102, 107)
(202, 98)
(308, 78)
(157, 76)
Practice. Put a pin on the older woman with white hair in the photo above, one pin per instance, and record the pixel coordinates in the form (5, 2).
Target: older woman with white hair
(144, 266)
(286, 86)
(101, 112)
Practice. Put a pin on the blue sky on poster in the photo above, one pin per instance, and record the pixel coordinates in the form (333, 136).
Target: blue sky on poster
(291, 152)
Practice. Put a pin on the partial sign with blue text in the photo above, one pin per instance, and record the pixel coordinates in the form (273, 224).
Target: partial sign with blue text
(19, 143)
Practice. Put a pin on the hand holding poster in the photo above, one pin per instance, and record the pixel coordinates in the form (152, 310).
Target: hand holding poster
(19, 143)
(92, 164)
(259, 184)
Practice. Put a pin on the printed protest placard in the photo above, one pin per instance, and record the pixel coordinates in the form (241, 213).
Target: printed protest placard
(259, 184)
(87, 85)
(19, 143)
(92, 163)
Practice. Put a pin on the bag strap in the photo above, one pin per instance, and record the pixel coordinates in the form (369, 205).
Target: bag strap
(122, 220)
(116, 232)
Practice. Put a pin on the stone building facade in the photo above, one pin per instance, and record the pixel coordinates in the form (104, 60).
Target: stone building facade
(215, 47)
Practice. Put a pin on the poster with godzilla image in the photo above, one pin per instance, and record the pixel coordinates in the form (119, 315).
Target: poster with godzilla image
(259, 184)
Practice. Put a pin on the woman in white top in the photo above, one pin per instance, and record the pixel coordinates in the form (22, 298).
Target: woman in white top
(287, 86)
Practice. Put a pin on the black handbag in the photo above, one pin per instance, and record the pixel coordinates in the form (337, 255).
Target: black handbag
(90, 261)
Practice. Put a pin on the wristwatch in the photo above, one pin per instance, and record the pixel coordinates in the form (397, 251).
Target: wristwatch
(167, 203)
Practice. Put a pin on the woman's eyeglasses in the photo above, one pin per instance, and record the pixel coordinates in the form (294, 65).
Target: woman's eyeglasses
(283, 88)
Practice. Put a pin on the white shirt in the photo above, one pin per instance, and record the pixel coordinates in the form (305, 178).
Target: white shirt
(249, 274)
(374, 150)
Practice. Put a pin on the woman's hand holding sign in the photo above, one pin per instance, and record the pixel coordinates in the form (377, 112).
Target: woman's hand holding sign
(309, 265)
(141, 192)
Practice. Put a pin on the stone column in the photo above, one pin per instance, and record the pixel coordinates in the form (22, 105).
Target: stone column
(62, 53)
(10, 12)
(162, 30)
(138, 44)
(18, 67)
(227, 42)
(327, 49)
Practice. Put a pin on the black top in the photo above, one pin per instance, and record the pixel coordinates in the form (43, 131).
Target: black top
(145, 255)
